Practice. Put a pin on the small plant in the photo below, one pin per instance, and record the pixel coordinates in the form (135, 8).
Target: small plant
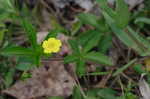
(91, 45)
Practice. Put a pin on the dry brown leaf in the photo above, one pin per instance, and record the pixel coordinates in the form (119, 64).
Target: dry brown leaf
(144, 89)
(41, 36)
(48, 80)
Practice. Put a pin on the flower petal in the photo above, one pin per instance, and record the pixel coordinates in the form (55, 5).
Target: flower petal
(45, 44)
(56, 49)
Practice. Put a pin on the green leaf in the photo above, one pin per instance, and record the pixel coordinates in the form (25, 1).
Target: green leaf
(74, 45)
(141, 42)
(120, 70)
(16, 50)
(142, 20)
(52, 33)
(130, 38)
(105, 43)
(80, 67)
(25, 76)
(25, 66)
(84, 37)
(89, 39)
(87, 18)
(130, 95)
(93, 41)
(95, 21)
(138, 68)
(70, 58)
(107, 93)
(122, 12)
(31, 32)
(99, 58)
(9, 77)
(93, 93)
(75, 27)
(102, 25)
(76, 93)
(106, 8)
(2, 35)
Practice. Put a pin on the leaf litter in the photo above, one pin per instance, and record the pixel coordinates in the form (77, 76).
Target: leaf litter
(51, 79)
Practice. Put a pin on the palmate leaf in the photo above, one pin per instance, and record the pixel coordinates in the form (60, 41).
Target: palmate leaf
(129, 38)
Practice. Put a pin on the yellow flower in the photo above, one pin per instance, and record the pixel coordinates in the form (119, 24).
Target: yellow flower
(52, 45)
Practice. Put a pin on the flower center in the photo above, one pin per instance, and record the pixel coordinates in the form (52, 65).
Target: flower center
(51, 45)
